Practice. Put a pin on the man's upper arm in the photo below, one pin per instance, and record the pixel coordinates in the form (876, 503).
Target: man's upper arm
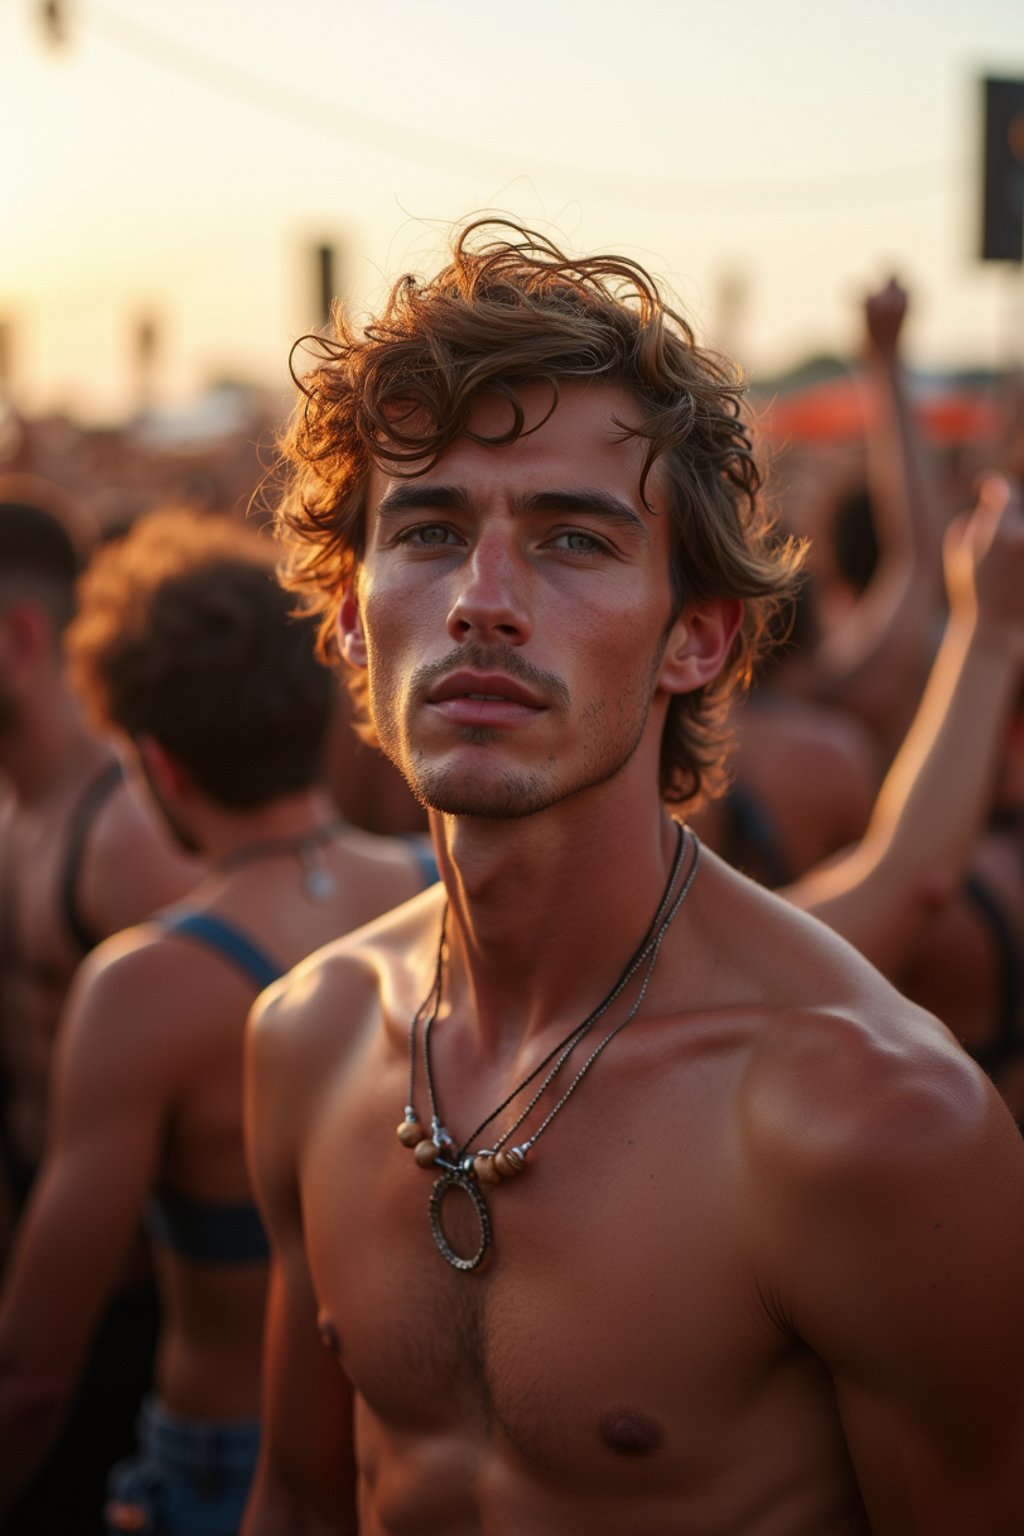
(84, 1210)
(306, 1476)
(904, 1271)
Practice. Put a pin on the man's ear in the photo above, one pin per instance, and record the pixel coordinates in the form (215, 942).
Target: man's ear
(168, 776)
(350, 637)
(27, 633)
(698, 643)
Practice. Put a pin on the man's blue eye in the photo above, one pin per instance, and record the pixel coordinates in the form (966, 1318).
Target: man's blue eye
(431, 533)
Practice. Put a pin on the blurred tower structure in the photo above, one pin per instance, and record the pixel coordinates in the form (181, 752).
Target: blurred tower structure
(1002, 202)
(146, 340)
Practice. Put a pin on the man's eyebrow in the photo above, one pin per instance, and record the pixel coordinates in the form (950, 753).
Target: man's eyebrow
(586, 501)
(414, 496)
(417, 496)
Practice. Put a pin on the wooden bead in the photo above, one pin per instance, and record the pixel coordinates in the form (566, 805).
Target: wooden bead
(483, 1167)
(425, 1153)
(410, 1132)
(509, 1161)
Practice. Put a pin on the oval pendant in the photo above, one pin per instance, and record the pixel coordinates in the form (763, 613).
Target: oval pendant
(319, 882)
(447, 1182)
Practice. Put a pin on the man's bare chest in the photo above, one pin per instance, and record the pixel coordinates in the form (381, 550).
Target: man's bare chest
(616, 1298)
(38, 953)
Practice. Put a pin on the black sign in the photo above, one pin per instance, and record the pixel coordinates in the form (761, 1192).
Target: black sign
(1002, 218)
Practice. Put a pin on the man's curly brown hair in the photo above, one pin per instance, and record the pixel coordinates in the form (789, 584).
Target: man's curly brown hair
(184, 634)
(512, 309)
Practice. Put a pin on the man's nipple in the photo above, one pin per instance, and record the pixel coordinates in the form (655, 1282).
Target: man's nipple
(630, 1432)
(328, 1332)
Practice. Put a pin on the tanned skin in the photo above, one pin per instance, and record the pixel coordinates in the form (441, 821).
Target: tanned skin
(128, 868)
(762, 1274)
(158, 1104)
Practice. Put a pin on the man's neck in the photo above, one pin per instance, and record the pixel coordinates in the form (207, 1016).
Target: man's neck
(545, 911)
(223, 832)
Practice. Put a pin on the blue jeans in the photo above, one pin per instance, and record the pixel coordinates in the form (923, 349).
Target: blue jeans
(189, 1477)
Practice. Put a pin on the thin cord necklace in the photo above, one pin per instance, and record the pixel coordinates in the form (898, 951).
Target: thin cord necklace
(467, 1170)
(317, 880)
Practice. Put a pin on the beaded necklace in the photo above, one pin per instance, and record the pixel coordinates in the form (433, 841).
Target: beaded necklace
(465, 1170)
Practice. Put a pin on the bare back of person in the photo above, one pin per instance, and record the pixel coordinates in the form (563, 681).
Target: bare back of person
(196, 999)
(58, 850)
(633, 1354)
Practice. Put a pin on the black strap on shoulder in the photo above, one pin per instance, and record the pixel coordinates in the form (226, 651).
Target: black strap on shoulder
(1006, 1043)
(752, 843)
(95, 795)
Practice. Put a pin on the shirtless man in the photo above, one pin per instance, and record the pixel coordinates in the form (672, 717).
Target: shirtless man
(756, 1267)
(187, 649)
(80, 858)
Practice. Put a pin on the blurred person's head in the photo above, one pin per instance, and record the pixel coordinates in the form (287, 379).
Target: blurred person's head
(43, 541)
(509, 311)
(184, 638)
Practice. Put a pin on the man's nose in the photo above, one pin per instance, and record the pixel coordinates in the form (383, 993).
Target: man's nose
(490, 601)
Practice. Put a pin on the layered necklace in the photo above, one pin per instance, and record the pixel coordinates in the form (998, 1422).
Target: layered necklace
(466, 1168)
(318, 881)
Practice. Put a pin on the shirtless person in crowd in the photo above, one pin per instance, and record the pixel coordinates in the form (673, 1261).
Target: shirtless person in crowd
(186, 648)
(691, 1223)
(80, 858)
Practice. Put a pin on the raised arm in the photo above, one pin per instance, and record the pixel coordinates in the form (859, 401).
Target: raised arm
(84, 1211)
(876, 661)
(305, 1480)
(881, 893)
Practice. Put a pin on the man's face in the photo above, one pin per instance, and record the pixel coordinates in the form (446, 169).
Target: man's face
(513, 605)
(9, 712)
(12, 670)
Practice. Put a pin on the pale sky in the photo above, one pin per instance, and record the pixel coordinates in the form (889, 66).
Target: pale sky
(180, 158)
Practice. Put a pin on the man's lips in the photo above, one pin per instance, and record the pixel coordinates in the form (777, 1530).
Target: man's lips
(484, 688)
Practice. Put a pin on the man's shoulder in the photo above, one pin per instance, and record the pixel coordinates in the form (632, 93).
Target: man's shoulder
(843, 1073)
(349, 983)
(876, 1157)
(136, 1022)
(132, 992)
(850, 1095)
(766, 947)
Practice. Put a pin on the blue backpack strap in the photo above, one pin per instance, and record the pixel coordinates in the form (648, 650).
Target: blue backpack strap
(231, 942)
